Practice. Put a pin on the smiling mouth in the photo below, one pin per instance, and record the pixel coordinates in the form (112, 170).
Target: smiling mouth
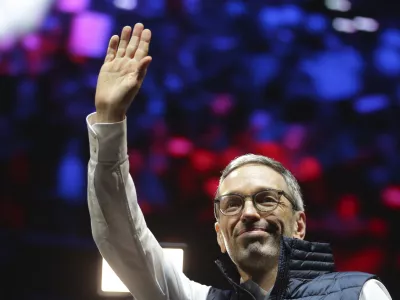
(251, 230)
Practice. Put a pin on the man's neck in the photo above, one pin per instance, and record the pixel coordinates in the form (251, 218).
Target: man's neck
(265, 278)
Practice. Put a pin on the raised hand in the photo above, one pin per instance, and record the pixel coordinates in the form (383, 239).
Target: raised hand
(122, 73)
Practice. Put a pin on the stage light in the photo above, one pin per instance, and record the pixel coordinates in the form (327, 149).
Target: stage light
(111, 285)
(344, 25)
(18, 18)
(339, 5)
(366, 24)
(125, 4)
(73, 6)
(86, 42)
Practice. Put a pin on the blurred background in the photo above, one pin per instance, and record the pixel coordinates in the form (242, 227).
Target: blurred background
(311, 83)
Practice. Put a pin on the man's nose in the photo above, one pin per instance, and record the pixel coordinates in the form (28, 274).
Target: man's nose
(249, 213)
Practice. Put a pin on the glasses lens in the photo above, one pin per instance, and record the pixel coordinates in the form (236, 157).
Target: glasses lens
(231, 204)
(267, 200)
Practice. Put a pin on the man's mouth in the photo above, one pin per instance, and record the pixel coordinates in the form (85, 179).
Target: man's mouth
(252, 229)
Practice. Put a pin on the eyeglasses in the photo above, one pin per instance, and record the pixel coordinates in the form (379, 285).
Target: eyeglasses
(264, 201)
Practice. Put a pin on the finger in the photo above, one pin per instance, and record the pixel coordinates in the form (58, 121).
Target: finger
(123, 43)
(134, 42)
(112, 48)
(142, 67)
(144, 45)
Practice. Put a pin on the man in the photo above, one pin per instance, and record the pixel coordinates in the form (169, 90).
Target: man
(259, 209)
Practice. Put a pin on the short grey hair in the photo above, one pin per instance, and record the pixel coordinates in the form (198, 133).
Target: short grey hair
(294, 190)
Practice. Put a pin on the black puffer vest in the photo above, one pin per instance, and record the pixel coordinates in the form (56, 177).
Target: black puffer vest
(305, 271)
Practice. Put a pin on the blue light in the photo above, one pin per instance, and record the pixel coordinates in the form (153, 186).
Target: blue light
(387, 60)
(285, 35)
(288, 15)
(291, 15)
(235, 8)
(336, 75)
(151, 187)
(71, 175)
(371, 103)
(391, 37)
(379, 175)
(26, 99)
(157, 6)
(264, 68)
(186, 57)
(156, 106)
(269, 17)
(173, 82)
(224, 43)
(316, 23)
(69, 88)
(191, 6)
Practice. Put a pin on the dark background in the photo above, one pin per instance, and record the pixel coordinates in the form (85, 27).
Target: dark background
(278, 78)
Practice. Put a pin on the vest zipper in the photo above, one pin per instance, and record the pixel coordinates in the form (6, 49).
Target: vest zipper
(234, 284)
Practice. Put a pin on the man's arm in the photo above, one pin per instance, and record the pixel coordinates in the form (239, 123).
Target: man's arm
(373, 290)
(118, 225)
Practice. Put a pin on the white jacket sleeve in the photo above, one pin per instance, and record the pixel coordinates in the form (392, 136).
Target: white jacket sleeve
(374, 290)
(119, 228)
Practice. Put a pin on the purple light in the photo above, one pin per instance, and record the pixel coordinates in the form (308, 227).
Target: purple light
(31, 42)
(90, 32)
(222, 104)
(72, 6)
(7, 43)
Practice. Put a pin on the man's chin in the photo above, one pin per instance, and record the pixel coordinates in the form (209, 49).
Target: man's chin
(257, 256)
(260, 247)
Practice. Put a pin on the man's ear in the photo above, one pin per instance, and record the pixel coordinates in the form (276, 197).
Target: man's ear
(299, 231)
(220, 238)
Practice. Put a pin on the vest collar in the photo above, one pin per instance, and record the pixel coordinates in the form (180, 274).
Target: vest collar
(298, 259)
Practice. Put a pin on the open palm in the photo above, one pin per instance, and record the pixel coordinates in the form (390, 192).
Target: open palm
(123, 71)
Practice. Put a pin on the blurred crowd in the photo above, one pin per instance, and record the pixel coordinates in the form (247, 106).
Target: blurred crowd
(227, 78)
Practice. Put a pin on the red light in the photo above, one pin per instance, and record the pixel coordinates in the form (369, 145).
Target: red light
(348, 206)
(179, 147)
(378, 227)
(210, 186)
(391, 197)
(228, 155)
(369, 260)
(308, 169)
(136, 161)
(145, 206)
(272, 150)
(203, 160)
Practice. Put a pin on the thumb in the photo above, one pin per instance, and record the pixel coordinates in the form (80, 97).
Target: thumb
(142, 67)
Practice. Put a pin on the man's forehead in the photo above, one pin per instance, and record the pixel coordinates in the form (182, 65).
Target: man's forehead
(250, 178)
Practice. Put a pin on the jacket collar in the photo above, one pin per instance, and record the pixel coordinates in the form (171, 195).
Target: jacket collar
(298, 259)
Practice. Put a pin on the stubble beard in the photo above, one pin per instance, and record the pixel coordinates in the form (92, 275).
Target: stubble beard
(258, 255)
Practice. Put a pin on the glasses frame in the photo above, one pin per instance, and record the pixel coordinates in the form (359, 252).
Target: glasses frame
(281, 193)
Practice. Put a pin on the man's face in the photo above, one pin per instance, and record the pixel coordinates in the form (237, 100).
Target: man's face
(252, 238)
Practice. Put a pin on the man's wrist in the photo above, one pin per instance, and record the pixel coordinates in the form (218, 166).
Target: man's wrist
(109, 117)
